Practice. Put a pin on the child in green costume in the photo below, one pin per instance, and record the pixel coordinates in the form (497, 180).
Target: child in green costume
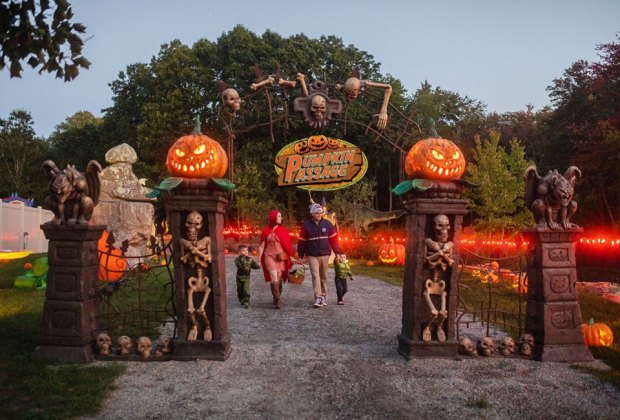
(244, 265)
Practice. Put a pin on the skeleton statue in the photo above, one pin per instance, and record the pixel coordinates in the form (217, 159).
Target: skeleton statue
(73, 194)
(438, 257)
(353, 86)
(231, 101)
(526, 345)
(144, 346)
(164, 346)
(506, 346)
(316, 106)
(103, 344)
(486, 346)
(467, 347)
(124, 345)
(197, 254)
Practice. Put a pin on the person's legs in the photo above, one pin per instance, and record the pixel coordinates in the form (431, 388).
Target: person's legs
(323, 265)
(275, 287)
(246, 291)
(313, 265)
(339, 291)
(240, 289)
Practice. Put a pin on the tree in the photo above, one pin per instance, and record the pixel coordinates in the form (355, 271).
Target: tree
(347, 203)
(77, 140)
(28, 34)
(252, 199)
(498, 201)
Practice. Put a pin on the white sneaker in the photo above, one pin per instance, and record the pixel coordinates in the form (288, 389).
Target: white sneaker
(323, 301)
(318, 302)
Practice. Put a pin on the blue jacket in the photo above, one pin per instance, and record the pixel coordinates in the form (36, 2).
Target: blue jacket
(317, 240)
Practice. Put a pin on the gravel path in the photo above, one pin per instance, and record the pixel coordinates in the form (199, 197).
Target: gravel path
(342, 362)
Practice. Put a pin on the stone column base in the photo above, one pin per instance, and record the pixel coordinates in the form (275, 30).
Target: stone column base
(202, 350)
(563, 353)
(413, 349)
(64, 354)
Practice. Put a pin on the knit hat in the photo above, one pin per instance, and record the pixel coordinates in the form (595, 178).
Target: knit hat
(315, 208)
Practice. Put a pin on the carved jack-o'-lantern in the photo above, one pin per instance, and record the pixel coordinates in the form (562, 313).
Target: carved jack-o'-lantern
(112, 265)
(435, 158)
(597, 334)
(333, 143)
(317, 142)
(392, 254)
(301, 147)
(197, 156)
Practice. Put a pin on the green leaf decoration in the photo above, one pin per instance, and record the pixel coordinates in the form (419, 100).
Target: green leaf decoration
(153, 194)
(421, 184)
(467, 183)
(223, 184)
(169, 183)
(403, 187)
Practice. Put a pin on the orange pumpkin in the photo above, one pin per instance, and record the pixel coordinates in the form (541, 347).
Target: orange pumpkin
(301, 147)
(392, 254)
(333, 143)
(197, 156)
(112, 265)
(435, 158)
(27, 266)
(370, 263)
(317, 142)
(597, 334)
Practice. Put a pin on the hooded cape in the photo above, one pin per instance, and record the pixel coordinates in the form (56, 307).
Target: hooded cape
(284, 237)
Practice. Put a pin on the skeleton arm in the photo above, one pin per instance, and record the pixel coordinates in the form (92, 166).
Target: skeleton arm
(268, 81)
(302, 82)
(383, 115)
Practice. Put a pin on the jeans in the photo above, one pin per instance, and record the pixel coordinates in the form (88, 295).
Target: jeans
(341, 287)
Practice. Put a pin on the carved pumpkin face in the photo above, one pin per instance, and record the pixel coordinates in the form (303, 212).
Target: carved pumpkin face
(112, 265)
(197, 156)
(392, 254)
(435, 158)
(301, 147)
(597, 334)
(333, 143)
(317, 142)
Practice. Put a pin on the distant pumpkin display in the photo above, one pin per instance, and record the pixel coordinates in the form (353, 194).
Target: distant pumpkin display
(597, 334)
(112, 265)
(197, 156)
(435, 158)
(317, 142)
(392, 254)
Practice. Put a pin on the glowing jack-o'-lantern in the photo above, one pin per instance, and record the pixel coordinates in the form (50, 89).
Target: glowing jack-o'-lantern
(333, 143)
(112, 265)
(317, 142)
(435, 158)
(597, 334)
(301, 147)
(197, 156)
(392, 254)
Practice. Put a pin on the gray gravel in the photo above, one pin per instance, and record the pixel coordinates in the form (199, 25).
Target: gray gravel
(342, 362)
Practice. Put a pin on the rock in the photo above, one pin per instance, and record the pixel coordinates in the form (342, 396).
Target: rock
(122, 202)
(609, 291)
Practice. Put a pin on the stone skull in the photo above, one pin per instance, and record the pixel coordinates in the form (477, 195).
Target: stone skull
(103, 344)
(467, 347)
(441, 227)
(526, 344)
(506, 346)
(486, 346)
(193, 224)
(231, 100)
(124, 345)
(318, 107)
(164, 346)
(143, 347)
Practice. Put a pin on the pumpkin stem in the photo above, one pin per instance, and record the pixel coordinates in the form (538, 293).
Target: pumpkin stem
(431, 122)
(196, 125)
(591, 321)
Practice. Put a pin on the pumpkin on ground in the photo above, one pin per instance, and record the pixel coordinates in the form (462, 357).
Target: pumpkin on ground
(435, 158)
(597, 334)
(392, 254)
(370, 263)
(112, 265)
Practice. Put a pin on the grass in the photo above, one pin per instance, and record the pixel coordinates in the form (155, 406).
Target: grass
(30, 388)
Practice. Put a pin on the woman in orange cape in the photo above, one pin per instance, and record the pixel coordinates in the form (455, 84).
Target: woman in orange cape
(274, 254)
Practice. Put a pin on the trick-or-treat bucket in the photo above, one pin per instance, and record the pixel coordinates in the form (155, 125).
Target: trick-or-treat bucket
(297, 275)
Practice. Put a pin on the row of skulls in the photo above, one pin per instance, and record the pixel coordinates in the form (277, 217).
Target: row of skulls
(143, 347)
(506, 346)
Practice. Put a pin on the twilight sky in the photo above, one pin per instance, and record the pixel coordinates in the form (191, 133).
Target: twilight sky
(501, 52)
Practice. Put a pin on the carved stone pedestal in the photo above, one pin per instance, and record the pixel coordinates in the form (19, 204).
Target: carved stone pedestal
(199, 195)
(71, 307)
(442, 198)
(553, 313)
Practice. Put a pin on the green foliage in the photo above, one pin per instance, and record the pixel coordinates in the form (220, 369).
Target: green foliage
(252, 199)
(77, 141)
(348, 201)
(27, 33)
(498, 201)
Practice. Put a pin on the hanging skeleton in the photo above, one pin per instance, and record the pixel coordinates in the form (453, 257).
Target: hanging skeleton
(197, 254)
(438, 257)
(353, 87)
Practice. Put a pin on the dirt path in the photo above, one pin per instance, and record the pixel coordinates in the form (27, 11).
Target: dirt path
(342, 362)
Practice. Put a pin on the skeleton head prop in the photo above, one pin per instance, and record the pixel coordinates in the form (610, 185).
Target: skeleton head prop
(318, 107)
(103, 344)
(143, 347)
(486, 346)
(506, 346)
(467, 347)
(231, 100)
(352, 87)
(441, 227)
(164, 346)
(124, 345)
(193, 224)
(526, 344)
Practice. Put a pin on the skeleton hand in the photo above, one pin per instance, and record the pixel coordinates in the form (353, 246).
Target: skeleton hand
(382, 120)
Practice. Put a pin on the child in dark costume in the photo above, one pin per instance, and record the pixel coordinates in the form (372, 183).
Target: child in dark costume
(343, 272)
(244, 264)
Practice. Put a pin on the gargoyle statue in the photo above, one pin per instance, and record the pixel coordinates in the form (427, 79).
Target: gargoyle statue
(73, 194)
(551, 197)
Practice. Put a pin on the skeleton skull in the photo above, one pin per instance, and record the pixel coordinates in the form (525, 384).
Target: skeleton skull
(124, 345)
(506, 346)
(526, 344)
(441, 226)
(143, 347)
(193, 224)
(352, 87)
(486, 346)
(164, 346)
(318, 106)
(103, 344)
(467, 347)
(231, 100)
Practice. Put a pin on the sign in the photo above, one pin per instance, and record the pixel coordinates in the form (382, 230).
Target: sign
(320, 163)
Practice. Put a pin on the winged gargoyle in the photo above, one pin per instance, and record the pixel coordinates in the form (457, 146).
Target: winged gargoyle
(73, 194)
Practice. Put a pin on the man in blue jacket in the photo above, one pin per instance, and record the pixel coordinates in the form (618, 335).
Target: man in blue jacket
(317, 239)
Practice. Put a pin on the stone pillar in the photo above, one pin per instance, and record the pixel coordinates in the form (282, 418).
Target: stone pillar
(71, 307)
(199, 195)
(443, 198)
(553, 313)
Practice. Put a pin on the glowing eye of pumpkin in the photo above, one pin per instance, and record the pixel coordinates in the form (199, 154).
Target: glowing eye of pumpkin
(456, 155)
(436, 154)
(200, 149)
(179, 152)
